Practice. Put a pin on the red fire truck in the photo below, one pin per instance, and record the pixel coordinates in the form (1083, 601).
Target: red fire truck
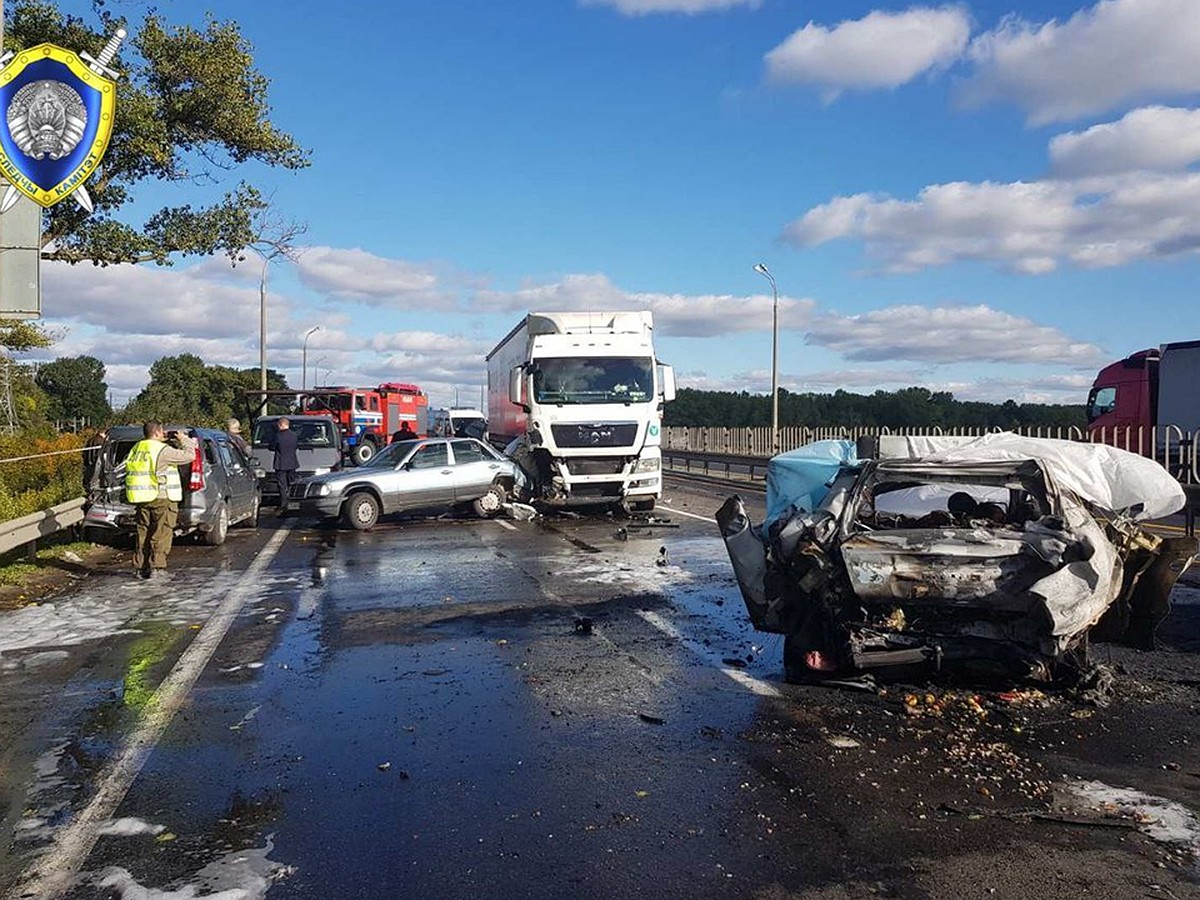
(368, 417)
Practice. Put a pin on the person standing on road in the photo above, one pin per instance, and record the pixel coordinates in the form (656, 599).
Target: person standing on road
(153, 486)
(404, 433)
(285, 444)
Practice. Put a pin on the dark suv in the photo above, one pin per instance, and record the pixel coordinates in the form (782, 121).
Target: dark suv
(229, 494)
(319, 450)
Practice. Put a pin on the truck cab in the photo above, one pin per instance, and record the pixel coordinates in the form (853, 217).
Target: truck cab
(1124, 394)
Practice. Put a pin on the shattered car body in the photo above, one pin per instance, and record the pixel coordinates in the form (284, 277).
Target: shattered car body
(998, 556)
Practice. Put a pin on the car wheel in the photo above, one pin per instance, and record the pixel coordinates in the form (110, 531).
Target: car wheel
(251, 521)
(215, 536)
(362, 452)
(490, 503)
(361, 511)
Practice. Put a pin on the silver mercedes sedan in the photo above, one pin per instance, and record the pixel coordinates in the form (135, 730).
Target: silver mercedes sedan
(409, 475)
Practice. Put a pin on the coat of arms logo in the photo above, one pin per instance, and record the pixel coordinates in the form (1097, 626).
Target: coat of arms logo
(56, 117)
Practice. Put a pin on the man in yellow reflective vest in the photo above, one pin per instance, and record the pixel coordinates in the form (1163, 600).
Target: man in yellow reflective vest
(153, 486)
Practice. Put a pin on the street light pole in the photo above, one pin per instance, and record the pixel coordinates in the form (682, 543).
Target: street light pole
(304, 358)
(262, 325)
(761, 269)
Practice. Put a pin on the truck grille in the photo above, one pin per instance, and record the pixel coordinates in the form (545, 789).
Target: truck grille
(602, 434)
(596, 465)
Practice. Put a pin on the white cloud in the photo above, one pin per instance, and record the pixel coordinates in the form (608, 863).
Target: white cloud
(1154, 137)
(882, 50)
(355, 274)
(948, 334)
(689, 7)
(1028, 227)
(1115, 53)
(680, 315)
(152, 300)
(852, 379)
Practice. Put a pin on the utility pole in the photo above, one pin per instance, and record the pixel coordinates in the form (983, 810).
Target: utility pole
(761, 269)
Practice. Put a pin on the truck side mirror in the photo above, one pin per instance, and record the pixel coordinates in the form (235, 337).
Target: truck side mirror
(516, 377)
(666, 381)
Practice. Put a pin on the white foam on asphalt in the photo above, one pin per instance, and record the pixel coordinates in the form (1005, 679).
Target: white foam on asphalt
(52, 874)
(243, 875)
(1157, 817)
(129, 826)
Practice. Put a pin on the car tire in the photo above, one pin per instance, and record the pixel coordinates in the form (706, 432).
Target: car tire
(362, 452)
(489, 505)
(361, 511)
(251, 521)
(215, 536)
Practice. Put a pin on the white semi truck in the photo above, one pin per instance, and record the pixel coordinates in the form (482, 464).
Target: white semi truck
(576, 399)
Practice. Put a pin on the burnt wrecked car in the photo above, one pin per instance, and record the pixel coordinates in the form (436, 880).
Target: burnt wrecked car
(998, 556)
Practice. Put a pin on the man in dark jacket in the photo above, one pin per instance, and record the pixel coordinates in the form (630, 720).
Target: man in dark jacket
(285, 444)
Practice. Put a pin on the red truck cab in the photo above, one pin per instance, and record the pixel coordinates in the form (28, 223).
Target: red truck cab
(1124, 394)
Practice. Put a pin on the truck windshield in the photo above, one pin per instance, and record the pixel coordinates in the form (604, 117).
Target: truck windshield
(322, 402)
(593, 380)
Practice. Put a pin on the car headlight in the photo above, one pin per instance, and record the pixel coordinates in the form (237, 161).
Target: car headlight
(324, 490)
(650, 464)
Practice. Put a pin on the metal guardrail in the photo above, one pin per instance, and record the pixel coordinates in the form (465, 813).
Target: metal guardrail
(28, 529)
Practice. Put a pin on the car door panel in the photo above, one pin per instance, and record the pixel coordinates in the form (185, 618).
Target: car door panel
(427, 479)
(474, 470)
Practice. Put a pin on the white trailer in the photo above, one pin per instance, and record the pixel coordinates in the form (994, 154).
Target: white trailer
(576, 399)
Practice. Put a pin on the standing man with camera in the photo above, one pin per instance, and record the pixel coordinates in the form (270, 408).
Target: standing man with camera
(153, 486)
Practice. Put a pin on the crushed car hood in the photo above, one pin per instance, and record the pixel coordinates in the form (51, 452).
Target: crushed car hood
(999, 554)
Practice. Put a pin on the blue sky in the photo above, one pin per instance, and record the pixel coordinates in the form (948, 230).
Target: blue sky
(993, 198)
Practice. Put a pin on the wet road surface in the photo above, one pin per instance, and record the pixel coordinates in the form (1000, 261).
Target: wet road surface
(451, 707)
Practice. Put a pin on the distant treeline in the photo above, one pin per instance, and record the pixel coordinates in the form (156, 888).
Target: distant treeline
(912, 406)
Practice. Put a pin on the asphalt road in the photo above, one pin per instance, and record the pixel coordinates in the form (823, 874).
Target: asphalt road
(455, 708)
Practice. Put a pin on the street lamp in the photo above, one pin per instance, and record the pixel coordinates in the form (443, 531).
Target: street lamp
(762, 270)
(304, 358)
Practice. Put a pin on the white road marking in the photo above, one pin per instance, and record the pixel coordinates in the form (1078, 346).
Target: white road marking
(746, 680)
(680, 512)
(509, 525)
(51, 875)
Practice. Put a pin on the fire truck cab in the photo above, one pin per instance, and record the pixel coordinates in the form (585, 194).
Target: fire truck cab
(368, 417)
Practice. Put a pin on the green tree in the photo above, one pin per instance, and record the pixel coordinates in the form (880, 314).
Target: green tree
(191, 106)
(76, 388)
(183, 389)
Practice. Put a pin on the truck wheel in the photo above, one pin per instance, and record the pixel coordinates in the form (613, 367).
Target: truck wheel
(361, 510)
(490, 503)
(215, 536)
(362, 452)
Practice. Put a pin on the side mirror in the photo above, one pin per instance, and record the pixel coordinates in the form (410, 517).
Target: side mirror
(516, 378)
(666, 381)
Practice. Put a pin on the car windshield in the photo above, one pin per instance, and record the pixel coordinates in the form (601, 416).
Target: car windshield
(390, 455)
(593, 380)
(309, 434)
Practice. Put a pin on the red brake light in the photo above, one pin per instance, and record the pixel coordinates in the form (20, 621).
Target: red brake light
(196, 481)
